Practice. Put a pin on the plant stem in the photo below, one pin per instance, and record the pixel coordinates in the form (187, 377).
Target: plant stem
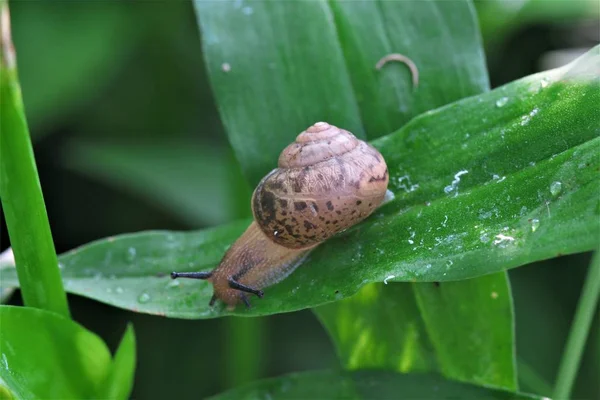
(21, 193)
(245, 350)
(579, 330)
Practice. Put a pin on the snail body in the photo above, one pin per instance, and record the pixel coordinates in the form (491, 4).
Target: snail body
(326, 181)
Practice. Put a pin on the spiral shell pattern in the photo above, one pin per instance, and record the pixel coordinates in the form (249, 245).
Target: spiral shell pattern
(327, 181)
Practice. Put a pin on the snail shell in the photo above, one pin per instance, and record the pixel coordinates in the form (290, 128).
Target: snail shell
(327, 181)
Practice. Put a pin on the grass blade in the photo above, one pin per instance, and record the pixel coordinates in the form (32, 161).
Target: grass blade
(586, 308)
(21, 193)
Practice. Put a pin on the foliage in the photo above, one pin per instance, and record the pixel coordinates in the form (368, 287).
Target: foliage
(482, 182)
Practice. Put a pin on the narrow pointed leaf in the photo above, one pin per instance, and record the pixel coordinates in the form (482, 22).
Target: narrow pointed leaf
(120, 380)
(441, 38)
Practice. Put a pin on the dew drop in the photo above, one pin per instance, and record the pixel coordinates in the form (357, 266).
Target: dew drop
(61, 265)
(535, 223)
(484, 237)
(501, 102)
(119, 290)
(143, 298)
(544, 82)
(130, 256)
(555, 188)
(523, 211)
(389, 196)
(503, 240)
(526, 118)
(173, 284)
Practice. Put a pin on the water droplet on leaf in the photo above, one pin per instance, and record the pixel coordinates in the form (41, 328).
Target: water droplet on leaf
(535, 223)
(130, 256)
(173, 284)
(555, 188)
(501, 102)
(143, 298)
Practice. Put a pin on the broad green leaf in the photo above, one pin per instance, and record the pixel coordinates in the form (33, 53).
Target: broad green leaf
(45, 355)
(263, 58)
(442, 39)
(462, 329)
(485, 184)
(173, 173)
(278, 67)
(438, 36)
(363, 385)
(120, 380)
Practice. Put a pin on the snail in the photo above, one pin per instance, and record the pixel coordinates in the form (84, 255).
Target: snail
(326, 181)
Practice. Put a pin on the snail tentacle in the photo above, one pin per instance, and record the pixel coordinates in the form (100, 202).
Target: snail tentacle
(236, 285)
(192, 275)
(245, 300)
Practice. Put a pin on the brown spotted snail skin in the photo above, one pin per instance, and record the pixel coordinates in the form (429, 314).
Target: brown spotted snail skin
(327, 181)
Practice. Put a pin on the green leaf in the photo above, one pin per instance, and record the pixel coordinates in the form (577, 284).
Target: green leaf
(171, 173)
(442, 39)
(462, 329)
(21, 193)
(120, 379)
(302, 62)
(530, 149)
(363, 385)
(45, 355)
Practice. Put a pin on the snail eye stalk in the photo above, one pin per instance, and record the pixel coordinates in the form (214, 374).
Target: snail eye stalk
(212, 300)
(245, 301)
(241, 287)
(191, 275)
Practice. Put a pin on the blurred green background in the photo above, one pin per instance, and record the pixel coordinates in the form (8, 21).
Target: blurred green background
(127, 138)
